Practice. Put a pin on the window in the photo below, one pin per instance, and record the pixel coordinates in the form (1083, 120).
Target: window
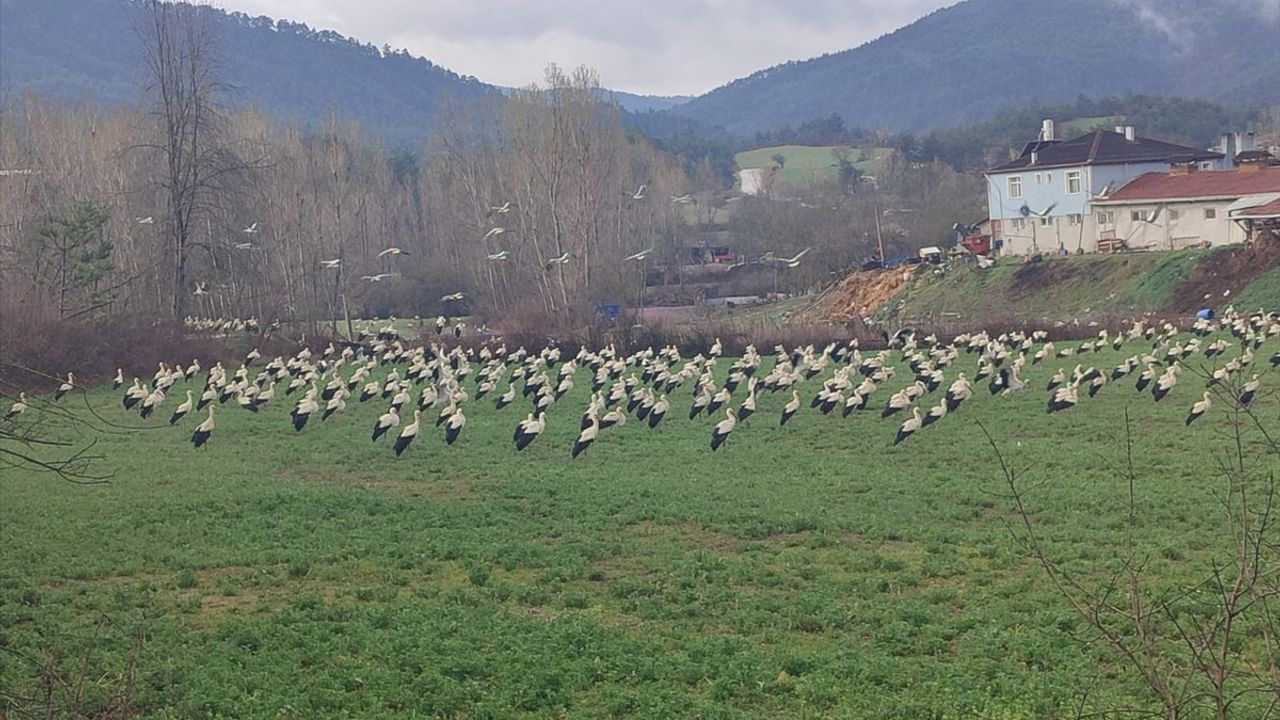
(1106, 217)
(1015, 187)
(1046, 221)
(1073, 182)
(1138, 216)
(1210, 213)
(1019, 224)
(1048, 178)
(1075, 219)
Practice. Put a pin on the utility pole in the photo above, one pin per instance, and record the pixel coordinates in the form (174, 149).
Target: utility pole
(879, 235)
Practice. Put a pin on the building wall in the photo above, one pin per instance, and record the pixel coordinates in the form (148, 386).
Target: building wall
(1050, 188)
(1056, 234)
(1191, 228)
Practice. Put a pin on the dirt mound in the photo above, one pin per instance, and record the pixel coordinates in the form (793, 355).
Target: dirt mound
(1223, 271)
(862, 293)
(1038, 274)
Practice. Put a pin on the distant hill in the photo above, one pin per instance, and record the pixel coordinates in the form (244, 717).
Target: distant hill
(645, 103)
(964, 63)
(87, 50)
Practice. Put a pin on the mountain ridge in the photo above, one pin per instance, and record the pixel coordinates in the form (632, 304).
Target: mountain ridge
(84, 49)
(939, 72)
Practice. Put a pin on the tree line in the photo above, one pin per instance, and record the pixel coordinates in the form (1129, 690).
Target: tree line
(531, 205)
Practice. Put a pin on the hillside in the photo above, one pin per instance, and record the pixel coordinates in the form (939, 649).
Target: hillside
(964, 63)
(1102, 288)
(87, 50)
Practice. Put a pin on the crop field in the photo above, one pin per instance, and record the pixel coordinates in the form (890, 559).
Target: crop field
(808, 571)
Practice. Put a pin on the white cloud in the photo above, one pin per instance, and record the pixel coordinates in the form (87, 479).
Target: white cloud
(645, 46)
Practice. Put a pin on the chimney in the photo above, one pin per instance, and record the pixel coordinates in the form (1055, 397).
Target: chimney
(1119, 129)
(1228, 148)
(1046, 131)
(1035, 157)
(1248, 143)
(1128, 133)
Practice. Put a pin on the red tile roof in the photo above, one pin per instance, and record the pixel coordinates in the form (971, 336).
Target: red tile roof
(1205, 184)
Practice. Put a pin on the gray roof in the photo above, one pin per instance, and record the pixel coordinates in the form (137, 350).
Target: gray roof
(1103, 147)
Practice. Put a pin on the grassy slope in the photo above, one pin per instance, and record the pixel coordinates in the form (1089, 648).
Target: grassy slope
(803, 165)
(1062, 289)
(809, 572)
(1261, 293)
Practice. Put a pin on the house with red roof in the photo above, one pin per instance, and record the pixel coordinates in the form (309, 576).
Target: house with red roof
(1042, 201)
(1185, 207)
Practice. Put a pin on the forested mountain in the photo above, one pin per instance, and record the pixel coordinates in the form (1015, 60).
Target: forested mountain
(966, 62)
(956, 66)
(86, 49)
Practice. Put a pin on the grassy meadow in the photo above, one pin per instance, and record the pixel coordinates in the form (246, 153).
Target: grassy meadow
(804, 164)
(809, 571)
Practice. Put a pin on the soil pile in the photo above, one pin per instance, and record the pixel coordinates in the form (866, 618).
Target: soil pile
(1226, 271)
(862, 293)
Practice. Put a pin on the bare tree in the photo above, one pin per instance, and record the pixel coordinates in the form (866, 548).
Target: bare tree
(1205, 649)
(180, 52)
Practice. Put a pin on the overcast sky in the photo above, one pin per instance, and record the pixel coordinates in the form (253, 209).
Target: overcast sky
(657, 47)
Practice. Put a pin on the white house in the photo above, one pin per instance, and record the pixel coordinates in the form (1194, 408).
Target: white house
(1043, 200)
(1183, 208)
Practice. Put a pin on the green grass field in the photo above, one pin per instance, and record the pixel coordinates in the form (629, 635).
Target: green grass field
(810, 571)
(804, 164)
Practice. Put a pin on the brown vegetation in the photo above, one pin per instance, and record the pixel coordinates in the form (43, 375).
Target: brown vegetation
(862, 293)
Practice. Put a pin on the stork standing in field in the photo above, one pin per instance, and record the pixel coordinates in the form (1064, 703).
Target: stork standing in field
(959, 391)
(909, 426)
(182, 410)
(118, 380)
(409, 432)
(791, 408)
(453, 428)
(585, 438)
(336, 404)
(65, 387)
(1065, 398)
(204, 430)
(151, 402)
(659, 411)
(134, 395)
(529, 429)
(385, 422)
(1249, 390)
(724, 427)
(1168, 380)
(18, 407)
(1199, 408)
(303, 410)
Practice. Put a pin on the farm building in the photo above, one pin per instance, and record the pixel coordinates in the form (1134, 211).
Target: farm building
(1184, 208)
(1042, 201)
